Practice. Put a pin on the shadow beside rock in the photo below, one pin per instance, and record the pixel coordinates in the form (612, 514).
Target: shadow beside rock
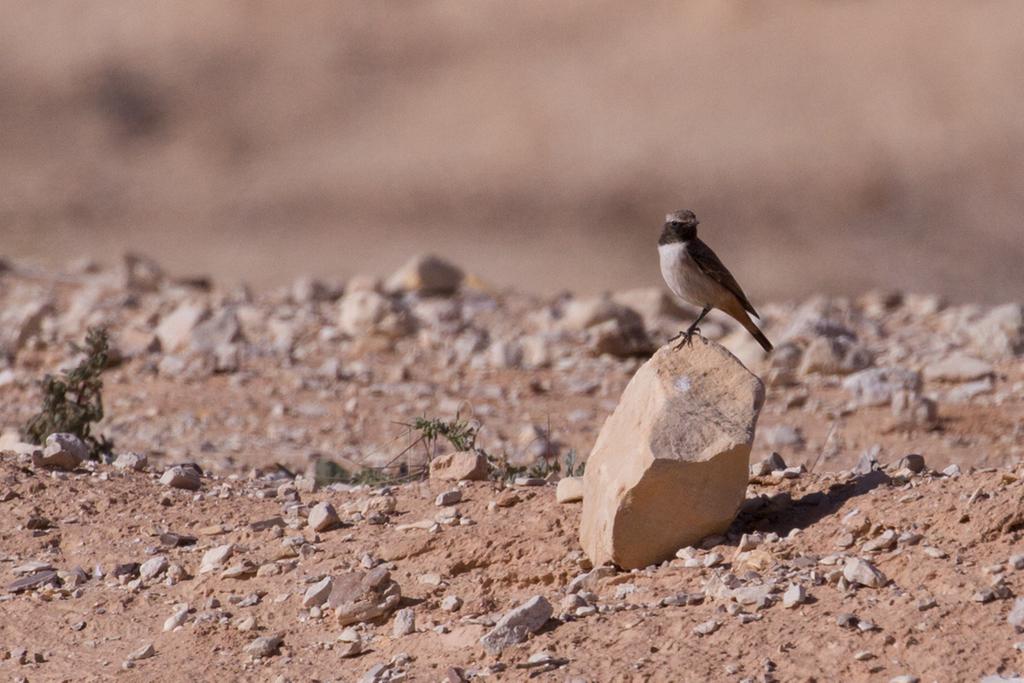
(781, 513)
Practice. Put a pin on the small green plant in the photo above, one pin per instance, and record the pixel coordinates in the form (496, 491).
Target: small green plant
(461, 434)
(502, 469)
(73, 401)
(572, 468)
(329, 472)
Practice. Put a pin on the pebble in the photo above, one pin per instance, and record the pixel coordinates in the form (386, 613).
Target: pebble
(318, 593)
(323, 517)
(794, 596)
(707, 628)
(144, 652)
(847, 620)
(863, 573)
(61, 451)
(246, 624)
(772, 463)
(1015, 618)
(886, 541)
(181, 477)
(448, 498)
(131, 461)
(451, 603)
(215, 558)
(913, 462)
(957, 368)
(176, 619)
(153, 567)
(266, 646)
(569, 490)
(713, 559)
(516, 624)
(405, 622)
(507, 499)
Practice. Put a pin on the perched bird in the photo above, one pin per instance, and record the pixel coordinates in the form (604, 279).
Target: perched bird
(694, 274)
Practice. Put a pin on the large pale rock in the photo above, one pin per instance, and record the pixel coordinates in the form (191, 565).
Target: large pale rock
(670, 464)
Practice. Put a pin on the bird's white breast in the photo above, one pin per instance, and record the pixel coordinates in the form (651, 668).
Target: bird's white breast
(685, 278)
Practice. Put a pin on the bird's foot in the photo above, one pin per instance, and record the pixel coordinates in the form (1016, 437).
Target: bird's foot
(686, 335)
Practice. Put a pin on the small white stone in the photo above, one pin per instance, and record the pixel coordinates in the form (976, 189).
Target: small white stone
(215, 558)
(349, 635)
(144, 652)
(181, 477)
(323, 517)
(795, 595)
(318, 593)
(131, 461)
(153, 567)
(569, 490)
(707, 628)
(405, 622)
(451, 603)
(863, 573)
(176, 619)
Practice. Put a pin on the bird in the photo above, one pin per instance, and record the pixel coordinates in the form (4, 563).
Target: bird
(696, 275)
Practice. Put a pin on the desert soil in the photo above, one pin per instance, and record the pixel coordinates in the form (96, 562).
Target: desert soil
(282, 380)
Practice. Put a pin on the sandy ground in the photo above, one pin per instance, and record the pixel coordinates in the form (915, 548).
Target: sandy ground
(508, 555)
(302, 388)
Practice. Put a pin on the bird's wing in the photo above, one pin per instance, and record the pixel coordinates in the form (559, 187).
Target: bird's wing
(711, 266)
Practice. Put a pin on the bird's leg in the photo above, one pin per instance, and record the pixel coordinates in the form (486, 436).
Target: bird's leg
(688, 333)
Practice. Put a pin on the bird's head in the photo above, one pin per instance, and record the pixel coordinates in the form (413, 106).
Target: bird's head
(680, 226)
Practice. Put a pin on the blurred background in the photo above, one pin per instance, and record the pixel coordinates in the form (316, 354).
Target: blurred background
(826, 145)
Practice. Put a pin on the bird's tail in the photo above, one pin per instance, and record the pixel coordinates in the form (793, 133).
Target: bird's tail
(761, 339)
(741, 316)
